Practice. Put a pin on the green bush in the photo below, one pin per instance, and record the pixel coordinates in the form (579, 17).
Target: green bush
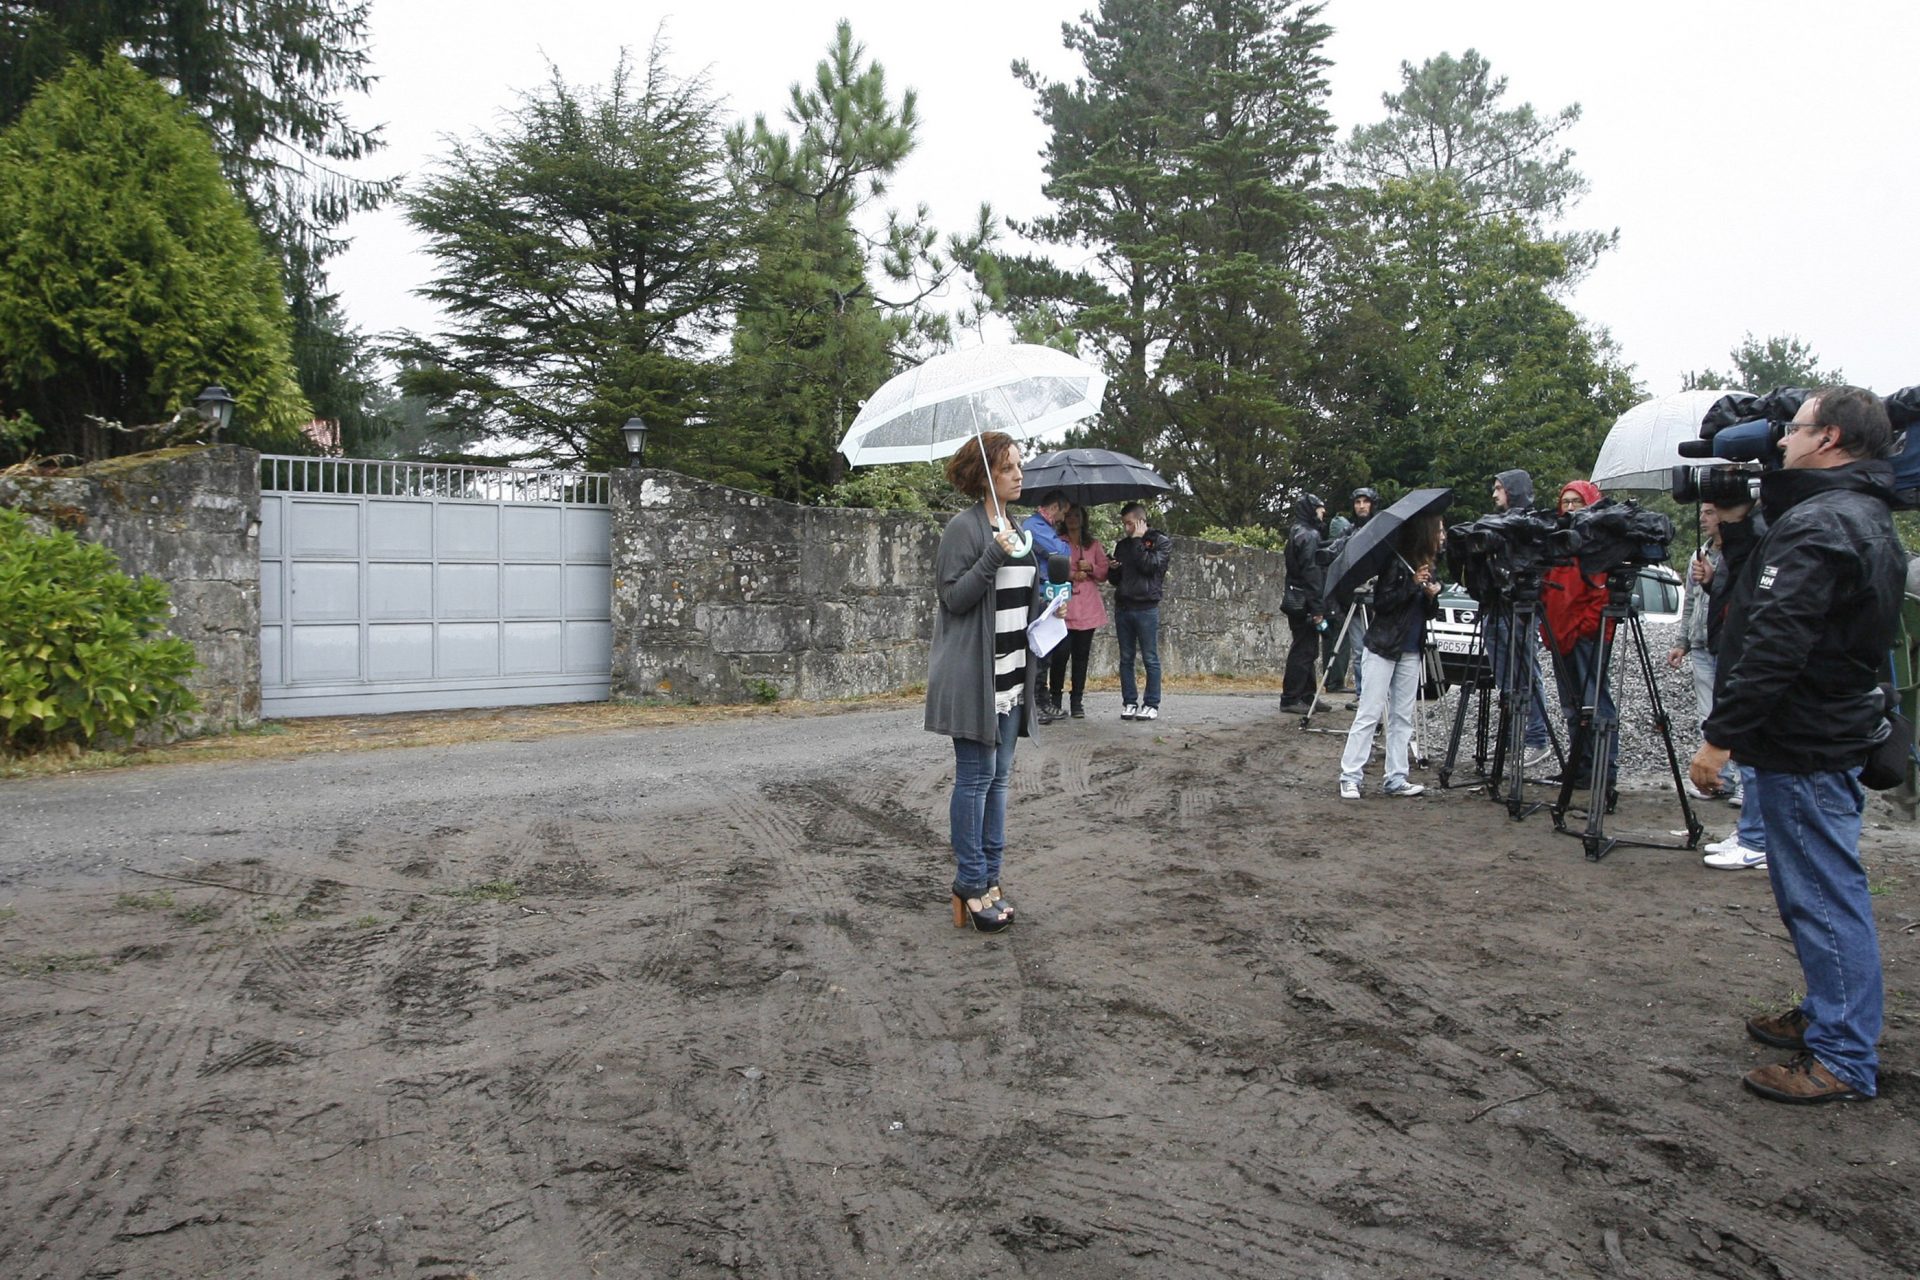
(81, 654)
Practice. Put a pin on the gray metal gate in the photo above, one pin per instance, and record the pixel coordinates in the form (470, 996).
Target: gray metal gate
(394, 586)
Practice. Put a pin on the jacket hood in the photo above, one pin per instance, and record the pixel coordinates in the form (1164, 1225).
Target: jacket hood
(1781, 491)
(1589, 492)
(1519, 486)
(1307, 509)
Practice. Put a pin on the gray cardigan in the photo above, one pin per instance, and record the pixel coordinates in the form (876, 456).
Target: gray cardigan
(960, 666)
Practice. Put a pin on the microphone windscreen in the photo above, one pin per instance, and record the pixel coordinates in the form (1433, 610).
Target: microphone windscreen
(1058, 567)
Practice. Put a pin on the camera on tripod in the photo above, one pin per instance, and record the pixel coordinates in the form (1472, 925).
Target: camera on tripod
(1746, 430)
(1490, 555)
(1487, 556)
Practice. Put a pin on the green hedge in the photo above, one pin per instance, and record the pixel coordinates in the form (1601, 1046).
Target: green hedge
(82, 647)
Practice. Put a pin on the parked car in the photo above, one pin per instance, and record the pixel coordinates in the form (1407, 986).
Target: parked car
(1656, 594)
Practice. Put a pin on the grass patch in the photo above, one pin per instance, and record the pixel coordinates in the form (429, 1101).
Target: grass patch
(158, 900)
(198, 913)
(488, 891)
(273, 921)
(365, 922)
(60, 962)
(7, 913)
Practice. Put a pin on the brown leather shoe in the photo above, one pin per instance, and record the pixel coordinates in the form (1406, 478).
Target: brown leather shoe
(1780, 1030)
(1802, 1080)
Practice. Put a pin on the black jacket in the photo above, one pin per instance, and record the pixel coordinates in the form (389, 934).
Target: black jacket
(1737, 541)
(1397, 597)
(1814, 611)
(1304, 569)
(1139, 569)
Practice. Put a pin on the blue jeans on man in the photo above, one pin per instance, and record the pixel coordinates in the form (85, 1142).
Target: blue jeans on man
(977, 815)
(1138, 630)
(1497, 628)
(1813, 826)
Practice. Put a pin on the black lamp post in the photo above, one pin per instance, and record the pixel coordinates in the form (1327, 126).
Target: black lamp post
(215, 407)
(636, 433)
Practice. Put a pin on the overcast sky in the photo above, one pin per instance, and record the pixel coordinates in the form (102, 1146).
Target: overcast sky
(1758, 158)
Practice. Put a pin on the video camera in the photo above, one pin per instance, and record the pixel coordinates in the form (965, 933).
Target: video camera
(1490, 555)
(1746, 430)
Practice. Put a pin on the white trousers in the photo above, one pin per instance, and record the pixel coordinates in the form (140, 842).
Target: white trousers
(1387, 691)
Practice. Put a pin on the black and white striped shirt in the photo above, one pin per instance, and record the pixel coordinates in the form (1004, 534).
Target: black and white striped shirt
(1012, 591)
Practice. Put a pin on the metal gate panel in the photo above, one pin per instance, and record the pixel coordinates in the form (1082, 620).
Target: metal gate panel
(401, 586)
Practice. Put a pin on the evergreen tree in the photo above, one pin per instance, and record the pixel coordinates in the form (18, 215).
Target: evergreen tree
(1761, 366)
(588, 259)
(1505, 161)
(831, 308)
(1447, 356)
(131, 276)
(268, 77)
(1185, 165)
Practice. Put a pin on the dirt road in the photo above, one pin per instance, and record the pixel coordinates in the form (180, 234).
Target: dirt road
(688, 1002)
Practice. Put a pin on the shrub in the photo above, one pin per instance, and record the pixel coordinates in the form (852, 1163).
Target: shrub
(80, 649)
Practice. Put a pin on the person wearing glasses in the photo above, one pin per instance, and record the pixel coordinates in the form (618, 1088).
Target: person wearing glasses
(1813, 611)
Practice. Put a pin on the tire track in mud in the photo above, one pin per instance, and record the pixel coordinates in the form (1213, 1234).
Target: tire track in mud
(847, 1013)
(95, 1174)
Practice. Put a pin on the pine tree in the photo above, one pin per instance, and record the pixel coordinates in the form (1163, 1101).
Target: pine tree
(1185, 164)
(588, 261)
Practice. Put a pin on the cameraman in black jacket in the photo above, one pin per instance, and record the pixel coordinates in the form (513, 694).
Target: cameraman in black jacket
(1302, 602)
(1813, 612)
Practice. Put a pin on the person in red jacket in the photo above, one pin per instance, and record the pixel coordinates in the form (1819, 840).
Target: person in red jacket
(1572, 602)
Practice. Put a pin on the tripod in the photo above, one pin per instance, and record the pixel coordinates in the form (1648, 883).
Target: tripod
(1356, 616)
(1514, 612)
(1597, 735)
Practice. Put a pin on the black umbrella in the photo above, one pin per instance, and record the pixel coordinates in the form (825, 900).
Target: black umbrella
(1090, 477)
(1368, 548)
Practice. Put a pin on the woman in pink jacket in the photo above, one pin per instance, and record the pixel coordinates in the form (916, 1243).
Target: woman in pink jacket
(1085, 612)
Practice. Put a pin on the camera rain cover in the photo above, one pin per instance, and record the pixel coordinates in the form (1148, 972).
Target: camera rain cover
(1611, 535)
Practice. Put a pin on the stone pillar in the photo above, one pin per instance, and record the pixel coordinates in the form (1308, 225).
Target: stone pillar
(191, 518)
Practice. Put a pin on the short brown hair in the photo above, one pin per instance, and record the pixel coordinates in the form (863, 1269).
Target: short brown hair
(1859, 416)
(967, 471)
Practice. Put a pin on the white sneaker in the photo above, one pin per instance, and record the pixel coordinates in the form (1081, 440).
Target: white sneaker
(1349, 790)
(1722, 846)
(1147, 713)
(1737, 858)
(1698, 794)
(1537, 757)
(1406, 789)
(1129, 711)
(1734, 799)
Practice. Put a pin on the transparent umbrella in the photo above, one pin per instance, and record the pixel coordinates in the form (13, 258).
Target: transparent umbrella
(929, 411)
(1641, 449)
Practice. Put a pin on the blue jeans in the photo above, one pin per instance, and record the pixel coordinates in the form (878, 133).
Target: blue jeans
(1497, 654)
(1752, 830)
(1139, 629)
(1578, 673)
(1813, 823)
(977, 815)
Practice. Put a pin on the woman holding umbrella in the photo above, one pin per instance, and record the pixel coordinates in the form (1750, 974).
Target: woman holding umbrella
(981, 688)
(1406, 595)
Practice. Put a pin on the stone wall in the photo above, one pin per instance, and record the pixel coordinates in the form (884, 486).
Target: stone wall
(723, 595)
(191, 518)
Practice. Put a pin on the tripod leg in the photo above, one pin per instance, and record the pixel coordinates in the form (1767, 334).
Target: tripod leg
(1665, 726)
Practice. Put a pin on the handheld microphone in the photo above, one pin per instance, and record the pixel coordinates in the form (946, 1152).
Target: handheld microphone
(1059, 572)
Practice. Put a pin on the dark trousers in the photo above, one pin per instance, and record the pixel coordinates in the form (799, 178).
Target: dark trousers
(1076, 647)
(1297, 684)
